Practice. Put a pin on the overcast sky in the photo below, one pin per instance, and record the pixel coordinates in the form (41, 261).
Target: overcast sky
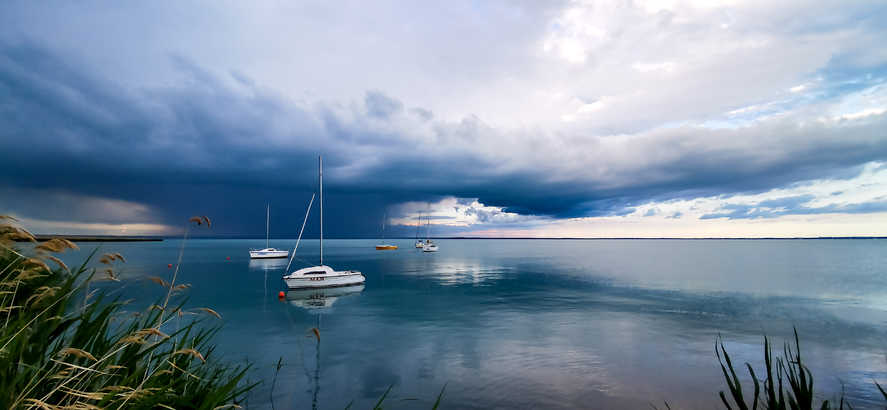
(497, 118)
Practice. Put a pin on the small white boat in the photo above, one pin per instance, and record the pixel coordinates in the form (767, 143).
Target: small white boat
(321, 276)
(420, 244)
(268, 252)
(429, 246)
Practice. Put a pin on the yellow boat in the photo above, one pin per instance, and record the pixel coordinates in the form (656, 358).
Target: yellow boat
(386, 247)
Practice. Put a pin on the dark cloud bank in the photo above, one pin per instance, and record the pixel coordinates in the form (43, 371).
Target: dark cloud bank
(224, 146)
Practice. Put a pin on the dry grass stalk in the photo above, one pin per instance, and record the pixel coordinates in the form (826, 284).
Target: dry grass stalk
(83, 406)
(191, 352)
(81, 368)
(210, 311)
(110, 275)
(42, 293)
(139, 393)
(152, 331)
(76, 352)
(59, 262)
(56, 245)
(62, 374)
(39, 404)
(159, 281)
(131, 340)
(26, 275)
(82, 394)
(183, 370)
(12, 234)
(233, 406)
(33, 263)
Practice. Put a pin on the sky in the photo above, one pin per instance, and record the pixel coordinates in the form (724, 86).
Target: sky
(631, 118)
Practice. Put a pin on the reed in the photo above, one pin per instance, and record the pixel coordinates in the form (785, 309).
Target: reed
(58, 353)
(787, 383)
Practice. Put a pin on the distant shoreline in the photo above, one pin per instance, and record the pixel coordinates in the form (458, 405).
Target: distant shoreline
(115, 238)
(558, 239)
(98, 238)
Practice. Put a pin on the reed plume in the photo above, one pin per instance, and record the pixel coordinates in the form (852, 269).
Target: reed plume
(57, 354)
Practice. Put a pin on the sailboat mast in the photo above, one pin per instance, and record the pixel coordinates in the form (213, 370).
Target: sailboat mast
(418, 224)
(320, 167)
(267, 224)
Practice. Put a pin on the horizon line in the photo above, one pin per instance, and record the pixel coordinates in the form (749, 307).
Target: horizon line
(89, 237)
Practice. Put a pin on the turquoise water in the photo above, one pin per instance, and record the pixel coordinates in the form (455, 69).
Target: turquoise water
(534, 323)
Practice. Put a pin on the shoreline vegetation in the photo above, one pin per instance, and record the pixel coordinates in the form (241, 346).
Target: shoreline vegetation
(787, 383)
(64, 345)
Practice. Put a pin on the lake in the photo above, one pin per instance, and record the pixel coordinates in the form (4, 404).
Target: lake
(533, 323)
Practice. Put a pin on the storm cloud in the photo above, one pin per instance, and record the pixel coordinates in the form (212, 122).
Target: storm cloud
(203, 137)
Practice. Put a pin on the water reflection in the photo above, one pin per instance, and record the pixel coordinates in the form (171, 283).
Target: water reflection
(270, 267)
(453, 271)
(320, 299)
(317, 302)
(268, 264)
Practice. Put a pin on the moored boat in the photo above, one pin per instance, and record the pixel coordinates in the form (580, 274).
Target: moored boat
(429, 246)
(321, 276)
(268, 252)
(385, 246)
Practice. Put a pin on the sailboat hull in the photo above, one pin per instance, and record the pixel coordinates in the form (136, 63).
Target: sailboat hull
(337, 279)
(268, 254)
(386, 247)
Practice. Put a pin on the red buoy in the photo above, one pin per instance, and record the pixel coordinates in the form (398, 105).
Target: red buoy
(281, 295)
(169, 265)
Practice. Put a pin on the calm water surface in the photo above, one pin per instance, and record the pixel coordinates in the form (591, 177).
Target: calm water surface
(535, 323)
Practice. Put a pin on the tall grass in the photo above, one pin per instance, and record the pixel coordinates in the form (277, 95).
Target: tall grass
(64, 346)
(787, 383)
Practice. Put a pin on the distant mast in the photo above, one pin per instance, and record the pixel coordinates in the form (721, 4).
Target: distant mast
(267, 224)
(320, 167)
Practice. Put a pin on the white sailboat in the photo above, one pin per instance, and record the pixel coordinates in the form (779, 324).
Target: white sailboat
(429, 246)
(268, 252)
(321, 276)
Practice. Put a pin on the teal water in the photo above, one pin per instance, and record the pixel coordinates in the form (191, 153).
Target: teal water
(534, 323)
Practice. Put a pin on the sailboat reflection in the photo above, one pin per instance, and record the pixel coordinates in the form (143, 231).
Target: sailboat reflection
(320, 298)
(318, 301)
(266, 264)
